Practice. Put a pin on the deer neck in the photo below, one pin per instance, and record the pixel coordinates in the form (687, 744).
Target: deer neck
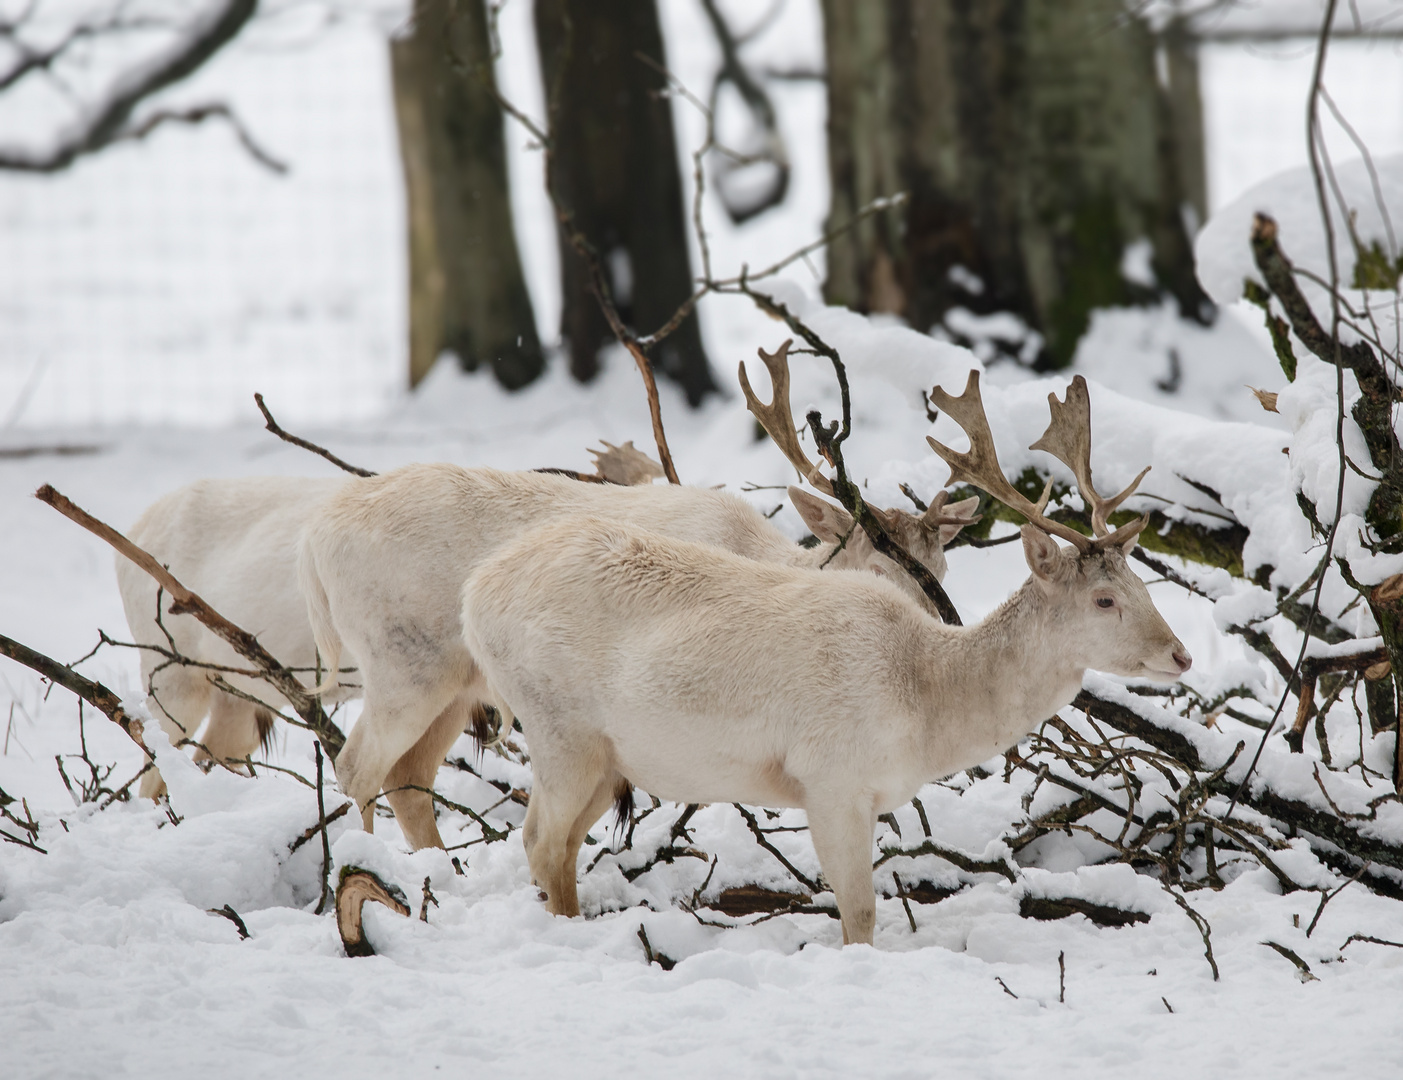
(990, 684)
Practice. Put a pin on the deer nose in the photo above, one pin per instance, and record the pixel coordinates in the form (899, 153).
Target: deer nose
(1183, 659)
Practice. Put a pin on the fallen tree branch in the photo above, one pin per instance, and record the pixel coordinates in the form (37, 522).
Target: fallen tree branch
(1294, 813)
(958, 858)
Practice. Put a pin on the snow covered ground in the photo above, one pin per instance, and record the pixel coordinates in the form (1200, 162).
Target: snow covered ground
(112, 964)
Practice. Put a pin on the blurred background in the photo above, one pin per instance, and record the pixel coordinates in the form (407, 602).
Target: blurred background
(204, 198)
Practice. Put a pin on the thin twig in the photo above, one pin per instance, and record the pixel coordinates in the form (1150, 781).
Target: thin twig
(272, 425)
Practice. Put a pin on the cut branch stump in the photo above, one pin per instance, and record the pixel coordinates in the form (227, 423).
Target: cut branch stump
(356, 887)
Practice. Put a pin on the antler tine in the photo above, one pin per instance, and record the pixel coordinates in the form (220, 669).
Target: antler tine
(980, 466)
(1068, 439)
(935, 516)
(776, 417)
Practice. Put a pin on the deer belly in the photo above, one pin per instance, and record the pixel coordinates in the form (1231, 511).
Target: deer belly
(668, 762)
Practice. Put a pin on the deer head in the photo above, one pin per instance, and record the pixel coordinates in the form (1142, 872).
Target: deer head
(924, 536)
(1102, 611)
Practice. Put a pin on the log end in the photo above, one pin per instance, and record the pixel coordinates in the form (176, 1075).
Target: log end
(358, 885)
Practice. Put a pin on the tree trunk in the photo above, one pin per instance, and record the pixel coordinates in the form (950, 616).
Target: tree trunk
(1035, 143)
(467, 294)
(614, 168)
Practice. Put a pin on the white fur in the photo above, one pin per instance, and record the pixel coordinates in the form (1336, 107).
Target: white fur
(632, 658)
(383, 562)
(234, 542)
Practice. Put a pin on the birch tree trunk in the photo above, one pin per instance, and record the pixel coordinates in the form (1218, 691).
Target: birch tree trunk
(466, 289)
(1036, 143)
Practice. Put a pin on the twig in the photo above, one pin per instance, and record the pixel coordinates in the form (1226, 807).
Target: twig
(489, 833)
(1306, 974)
(94, 693)
(321, 828)
(765, 843)
(272, 425)
(950, 855)
(1204, 930)
(198, 115)
(429, 898)
(663, 961)
(1371, 940)
(1326, 897)
(905, 903)
(1062, 978)
(229, 913)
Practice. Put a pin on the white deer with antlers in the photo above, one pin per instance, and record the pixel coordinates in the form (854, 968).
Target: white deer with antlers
(634, 659)
(384, 559)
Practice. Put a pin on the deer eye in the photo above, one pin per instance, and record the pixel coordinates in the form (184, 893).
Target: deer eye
(1105, 602)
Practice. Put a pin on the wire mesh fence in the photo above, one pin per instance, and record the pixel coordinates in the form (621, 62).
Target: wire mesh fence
(167, 280)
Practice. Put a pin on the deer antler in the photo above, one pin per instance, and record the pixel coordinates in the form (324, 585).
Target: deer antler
(776, 417)
(980, 466)
(935, 515)
(626, 465)
(1068, 439)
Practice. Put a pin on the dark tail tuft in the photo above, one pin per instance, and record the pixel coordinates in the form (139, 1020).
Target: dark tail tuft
(623, 808)
(264, 719)
(484, 725)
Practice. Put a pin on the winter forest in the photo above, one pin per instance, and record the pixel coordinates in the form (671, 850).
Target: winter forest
(701, 538)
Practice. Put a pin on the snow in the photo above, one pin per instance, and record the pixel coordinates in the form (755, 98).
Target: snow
(113, 965)
(109, 931)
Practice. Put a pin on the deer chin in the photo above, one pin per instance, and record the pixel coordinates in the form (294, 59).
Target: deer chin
(1158, 675)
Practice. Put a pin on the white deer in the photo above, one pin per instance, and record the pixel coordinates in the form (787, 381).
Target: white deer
(235, 542)
(635, 659)
(384, 560)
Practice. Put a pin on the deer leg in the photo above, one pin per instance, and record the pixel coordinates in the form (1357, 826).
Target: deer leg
(563, 796)
(233, 732)
(179, 701)
(414, 810)
(386, 731)
(842, 831)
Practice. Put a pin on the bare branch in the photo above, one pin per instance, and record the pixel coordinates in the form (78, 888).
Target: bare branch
(94, 693)
(109, 121)
(272, 425)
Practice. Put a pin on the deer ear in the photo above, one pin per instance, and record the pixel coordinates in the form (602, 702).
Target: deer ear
(1043, 555)
(965, 508)
(828, 522)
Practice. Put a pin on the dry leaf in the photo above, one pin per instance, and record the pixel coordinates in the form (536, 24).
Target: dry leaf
(1265, 398)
